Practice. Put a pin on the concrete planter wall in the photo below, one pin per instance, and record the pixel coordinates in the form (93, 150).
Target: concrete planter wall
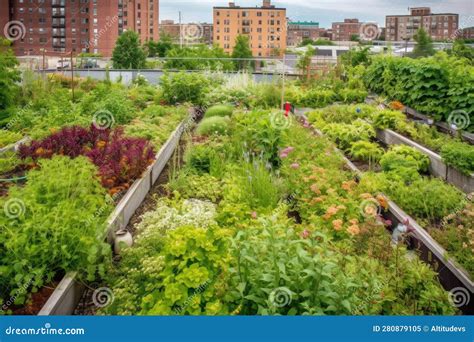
(67, 294)
(437, 166)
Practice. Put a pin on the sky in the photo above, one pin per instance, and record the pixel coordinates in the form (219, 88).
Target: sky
(323, 11)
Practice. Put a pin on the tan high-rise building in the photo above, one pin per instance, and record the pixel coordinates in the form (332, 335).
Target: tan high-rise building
(266, 27)
(64, 26)
(441, 26)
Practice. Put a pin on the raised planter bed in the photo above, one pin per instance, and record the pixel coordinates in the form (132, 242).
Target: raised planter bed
(67, 294)
(437, 166)
(451, 276)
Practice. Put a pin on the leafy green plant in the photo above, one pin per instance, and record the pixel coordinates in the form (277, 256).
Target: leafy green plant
(388, 119)
(159, 276)
(426, 198)
(219, 110)
(184, 87)
(344, 135)
(8, 137)
(215, 125)
(459, 155)
(401, 156)
(457, 236)
(366, 151)
(54, 224)
(352, 95)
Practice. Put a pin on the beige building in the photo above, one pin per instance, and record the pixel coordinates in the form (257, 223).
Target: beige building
(266, 27)
(441, 26)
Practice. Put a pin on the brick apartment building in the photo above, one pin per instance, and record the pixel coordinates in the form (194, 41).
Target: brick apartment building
(62, 26)
(466, 33)
(266, 27)
(300, 30)
(441, 26)
(343, 31)
(192, 33)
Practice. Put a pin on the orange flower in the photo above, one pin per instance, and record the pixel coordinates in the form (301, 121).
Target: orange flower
(347, 185)
(314, 188)
(337, 225)
(331, 211)
(353, 230)
(101, 144)
(382, 201)
(354, 221)
(396, 105)
(39, 151)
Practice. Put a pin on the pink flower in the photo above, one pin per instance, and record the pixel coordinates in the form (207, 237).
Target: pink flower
(295, 166)
(283, 155)
(254, 214)
(305, 234)
(305, 124)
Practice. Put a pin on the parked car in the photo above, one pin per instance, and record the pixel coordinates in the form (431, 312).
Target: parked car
(89, 64)
(63, 64)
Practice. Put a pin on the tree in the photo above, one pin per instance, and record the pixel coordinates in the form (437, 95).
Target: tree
(424, 44)
(128, 53)
(198, 57)
(9, 78)
(242, 50)
(461, 50)
(356, 56)
(305, 59)
(161, 47)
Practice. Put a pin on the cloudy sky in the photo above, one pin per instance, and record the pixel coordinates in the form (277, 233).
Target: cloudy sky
(323, 11)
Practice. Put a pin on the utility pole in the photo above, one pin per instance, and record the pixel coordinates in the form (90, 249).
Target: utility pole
(72, 77)
(180, 32)
(283, 82)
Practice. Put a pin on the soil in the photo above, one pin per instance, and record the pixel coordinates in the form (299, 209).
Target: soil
(37, 301)
(18, 172)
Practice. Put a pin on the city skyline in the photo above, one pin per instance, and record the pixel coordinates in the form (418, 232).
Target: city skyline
(323, 11)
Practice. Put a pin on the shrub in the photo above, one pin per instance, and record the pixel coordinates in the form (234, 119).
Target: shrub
(401, 156)
(459, 155)
(346, 134)
(352, 95)
(427, 198)
(388, 119)
(366, 151)
(219, 110)
(58, 226)
(215, 125)
(184, 87)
